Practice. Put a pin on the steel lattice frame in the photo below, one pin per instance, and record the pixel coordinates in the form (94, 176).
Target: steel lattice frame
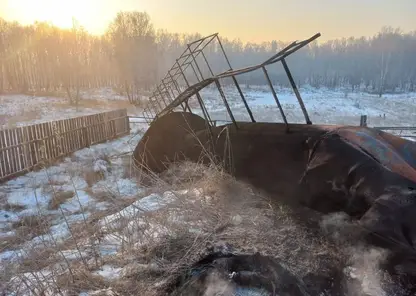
(169, 95)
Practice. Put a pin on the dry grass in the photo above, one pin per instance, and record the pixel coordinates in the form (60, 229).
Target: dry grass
(157, 247)
(81, 279)
(12, 207)
(31, 226)
(92, 177)
(225, 211)
(59, 198)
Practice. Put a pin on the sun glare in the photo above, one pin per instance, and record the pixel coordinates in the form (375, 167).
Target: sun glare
(58, 12)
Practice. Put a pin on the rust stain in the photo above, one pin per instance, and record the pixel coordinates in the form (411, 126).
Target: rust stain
(395, 153)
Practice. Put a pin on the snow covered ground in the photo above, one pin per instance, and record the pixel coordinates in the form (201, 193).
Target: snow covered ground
(38, 210)
(323, 105)
(42, 212)
(17, 110)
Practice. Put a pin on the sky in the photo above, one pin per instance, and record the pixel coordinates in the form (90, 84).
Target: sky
(248, 20)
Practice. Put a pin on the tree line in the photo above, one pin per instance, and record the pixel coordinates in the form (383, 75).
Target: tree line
(132, 56)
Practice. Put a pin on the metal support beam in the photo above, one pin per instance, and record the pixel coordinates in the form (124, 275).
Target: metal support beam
(177, 89)
(226, 103)
(208, 65)
(161, 95)
(236, 82)
(295, 89)
(223, 51)
(275, 96)
(201, 104)
(244, 99)
(196, 63)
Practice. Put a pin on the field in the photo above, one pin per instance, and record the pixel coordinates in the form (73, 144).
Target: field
(91, 225)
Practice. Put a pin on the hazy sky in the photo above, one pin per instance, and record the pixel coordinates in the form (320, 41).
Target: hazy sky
(249, 20)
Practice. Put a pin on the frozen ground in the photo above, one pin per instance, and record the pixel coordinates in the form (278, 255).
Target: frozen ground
(324, 106)
(38, 210)
(17, 110)
(44, 213)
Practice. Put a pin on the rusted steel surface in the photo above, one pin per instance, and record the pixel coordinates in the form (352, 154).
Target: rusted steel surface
(395, 153)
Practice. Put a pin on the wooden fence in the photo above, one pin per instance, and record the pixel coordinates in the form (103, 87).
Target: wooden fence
(24, 148)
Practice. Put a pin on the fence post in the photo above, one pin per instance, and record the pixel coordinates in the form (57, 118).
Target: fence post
(113, 128)
(363, 120)
(85, 134)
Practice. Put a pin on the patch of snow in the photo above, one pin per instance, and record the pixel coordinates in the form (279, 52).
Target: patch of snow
(7, 234)
(30, 198)
(109, 272)
(101, 206)
(7, 217)
(57, 234)
(80, 201)
(110, 244)
(73, 254)
(10, 256)
(100, 166)
(324, 106)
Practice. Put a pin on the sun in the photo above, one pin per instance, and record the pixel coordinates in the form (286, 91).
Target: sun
(58, 12)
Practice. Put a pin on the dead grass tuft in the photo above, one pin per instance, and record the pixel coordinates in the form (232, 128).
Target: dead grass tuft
(12, 207)
(210, 208)
(92, 177)
(31, 226)
(59, 198)
(80, 280)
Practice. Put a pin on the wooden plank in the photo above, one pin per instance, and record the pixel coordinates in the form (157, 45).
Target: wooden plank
(42, 143)
(66, 137)
(78, 134)
(102, 127)
(58, 137)
(47, 141)
(72, 127)
(38, 143)
(99, 129)
(32, 145)
(106, 126)
(12, 156)
(69, 136)
(26, 148)
(7, 154)
(3, 164)
(87, 132)
(64, 141)
(19, 140)
(15, 149)
(53, 138)
(49, 136)
(15, 155)
(21, 143)
(92, 129)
